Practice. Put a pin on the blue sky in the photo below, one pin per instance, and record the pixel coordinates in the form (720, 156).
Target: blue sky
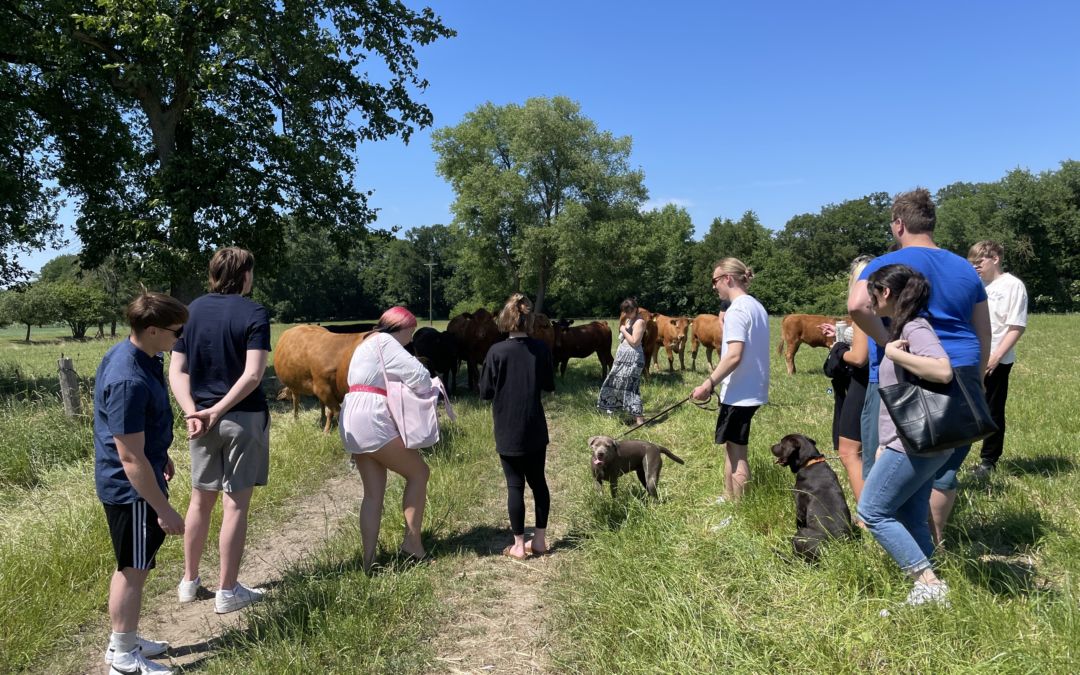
(775, 107)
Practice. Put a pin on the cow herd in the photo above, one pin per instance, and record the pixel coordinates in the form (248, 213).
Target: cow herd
(312, 360)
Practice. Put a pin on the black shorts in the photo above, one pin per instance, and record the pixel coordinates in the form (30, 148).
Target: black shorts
(136, 535)
(733, 423)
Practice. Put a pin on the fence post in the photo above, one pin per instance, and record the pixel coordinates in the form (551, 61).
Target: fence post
(69, 387)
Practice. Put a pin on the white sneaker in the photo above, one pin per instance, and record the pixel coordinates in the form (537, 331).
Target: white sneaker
(149, 648)
(134, 663)
(238, 598)
(187, 591)
(922, 594)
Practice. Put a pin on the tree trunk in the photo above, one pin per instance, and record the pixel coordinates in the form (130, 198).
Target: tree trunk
(541, 288)
(28, 332)
(112, 329)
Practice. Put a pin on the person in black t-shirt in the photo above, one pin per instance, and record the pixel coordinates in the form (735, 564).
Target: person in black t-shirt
(216, 376)
(515, 372)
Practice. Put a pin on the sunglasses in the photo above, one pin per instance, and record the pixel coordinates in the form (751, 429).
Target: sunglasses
(718, 278)
(178, 332)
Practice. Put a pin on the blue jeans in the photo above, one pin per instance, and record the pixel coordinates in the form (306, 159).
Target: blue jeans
(946, 475)
(895, 506)
(871, 409)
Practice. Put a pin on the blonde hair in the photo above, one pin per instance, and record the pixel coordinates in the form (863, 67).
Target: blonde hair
(857, 266)
(516, 315)
(986, 249)
(739, 270)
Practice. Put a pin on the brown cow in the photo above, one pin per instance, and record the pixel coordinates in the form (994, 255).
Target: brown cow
(798, 328)
(708, 330)
(307, 360)
(649, 343)
(671, 333)
(544, 331)
(580, 342)
(475, 333)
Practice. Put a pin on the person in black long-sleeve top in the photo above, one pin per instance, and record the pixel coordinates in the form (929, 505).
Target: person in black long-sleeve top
(515, 372)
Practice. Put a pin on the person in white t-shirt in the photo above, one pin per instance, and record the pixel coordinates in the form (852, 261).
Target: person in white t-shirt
(1007, 299)
(742, 372)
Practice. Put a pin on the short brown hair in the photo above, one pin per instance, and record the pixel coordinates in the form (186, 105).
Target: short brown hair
(155, 309)
(516, 315)
(986, 249)
(227, 269)
(916, 209)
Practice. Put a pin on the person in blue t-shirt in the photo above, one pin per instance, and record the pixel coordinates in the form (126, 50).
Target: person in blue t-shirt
(959, 316)
(216, 375)
(133, 423)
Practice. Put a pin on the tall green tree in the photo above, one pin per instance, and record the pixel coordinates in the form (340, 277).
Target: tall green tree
(532, 182)
(180, 127)
(30, 305)
(825, 243)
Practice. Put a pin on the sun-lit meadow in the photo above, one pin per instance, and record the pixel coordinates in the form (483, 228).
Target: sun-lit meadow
(682, 585)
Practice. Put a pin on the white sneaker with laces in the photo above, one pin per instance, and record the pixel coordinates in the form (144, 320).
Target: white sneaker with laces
(149, 648)
(187, 591)
(922, 594)
(238, 598)
(134, 663)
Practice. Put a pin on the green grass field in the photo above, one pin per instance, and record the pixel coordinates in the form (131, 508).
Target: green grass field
(683, 585)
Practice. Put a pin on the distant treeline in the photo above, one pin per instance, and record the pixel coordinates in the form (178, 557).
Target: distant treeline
(654, 256)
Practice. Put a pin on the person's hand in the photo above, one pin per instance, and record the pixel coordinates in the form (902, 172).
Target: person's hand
(703, 392)
(171, 522)
(827, 329)
(170, 470)
(202, 421)
(895, 347)
(992, 363)
(877, 455)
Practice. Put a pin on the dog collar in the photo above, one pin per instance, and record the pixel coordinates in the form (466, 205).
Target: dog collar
(816, 460)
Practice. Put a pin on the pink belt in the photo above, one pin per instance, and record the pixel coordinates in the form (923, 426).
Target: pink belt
(368, 388)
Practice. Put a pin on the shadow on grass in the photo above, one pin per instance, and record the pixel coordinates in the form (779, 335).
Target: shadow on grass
(1046, 465)
(997, 552)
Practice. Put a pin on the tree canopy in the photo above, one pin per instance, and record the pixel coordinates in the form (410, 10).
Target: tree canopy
(180, 127)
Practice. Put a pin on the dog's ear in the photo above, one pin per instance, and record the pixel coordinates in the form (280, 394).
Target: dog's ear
(812, 442)
(591, 439)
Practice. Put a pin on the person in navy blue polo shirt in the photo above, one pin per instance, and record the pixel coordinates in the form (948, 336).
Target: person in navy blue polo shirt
(133, 424)
(216, 375)
(959, 315)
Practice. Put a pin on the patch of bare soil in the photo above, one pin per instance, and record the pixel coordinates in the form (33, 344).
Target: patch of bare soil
(193, 629)
(499, 608)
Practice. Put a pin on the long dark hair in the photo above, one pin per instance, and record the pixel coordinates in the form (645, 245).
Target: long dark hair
(911, 290)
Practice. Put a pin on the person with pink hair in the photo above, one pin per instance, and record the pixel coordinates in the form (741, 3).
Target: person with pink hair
(371, 436)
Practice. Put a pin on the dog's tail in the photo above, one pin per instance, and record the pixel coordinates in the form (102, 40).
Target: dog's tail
(671, 455)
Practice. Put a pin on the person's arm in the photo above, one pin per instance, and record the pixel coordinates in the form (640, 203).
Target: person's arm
(980, 320)
(131, 448)
(634, 336)
(487, 377)
(254, 366)
(927, 367)
(547, 371)
(406, 366)
(1008, 341)
(180, 383)
(859, 353)
(724, 367)
(862, 313)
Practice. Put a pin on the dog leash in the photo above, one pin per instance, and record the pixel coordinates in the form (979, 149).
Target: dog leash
(666, 410)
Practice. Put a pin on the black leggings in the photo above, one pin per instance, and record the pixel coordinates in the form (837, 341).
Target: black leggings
(518, 471)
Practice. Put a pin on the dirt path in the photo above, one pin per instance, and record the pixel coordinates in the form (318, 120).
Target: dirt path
(192, 629)
(499, 605)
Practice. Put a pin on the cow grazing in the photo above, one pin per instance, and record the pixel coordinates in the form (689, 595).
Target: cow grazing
(671, 334)
(308, 361)
(579, 342)
(708, 331)
(475, 333)
(438, 351)
(802, 328)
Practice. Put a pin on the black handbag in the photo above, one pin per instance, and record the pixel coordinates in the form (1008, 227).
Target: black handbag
(931, 417)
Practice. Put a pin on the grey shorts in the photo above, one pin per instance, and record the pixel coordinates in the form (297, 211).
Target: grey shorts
(234, 455)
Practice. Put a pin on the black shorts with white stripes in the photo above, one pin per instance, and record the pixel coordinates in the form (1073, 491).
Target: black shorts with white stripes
(136, 535)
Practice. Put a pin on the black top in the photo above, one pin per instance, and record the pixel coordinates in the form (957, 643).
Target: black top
(515, 372)
(217, 336)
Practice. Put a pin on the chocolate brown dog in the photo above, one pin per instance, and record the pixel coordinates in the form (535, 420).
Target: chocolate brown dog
(821, 512)
(611, 459)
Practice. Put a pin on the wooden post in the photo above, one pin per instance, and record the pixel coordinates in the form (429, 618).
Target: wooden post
(69, 387)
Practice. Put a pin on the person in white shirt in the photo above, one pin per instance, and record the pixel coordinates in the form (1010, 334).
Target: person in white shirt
(1008, 301)
(742, 372)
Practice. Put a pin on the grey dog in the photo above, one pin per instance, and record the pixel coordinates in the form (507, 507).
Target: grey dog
(611, 459)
